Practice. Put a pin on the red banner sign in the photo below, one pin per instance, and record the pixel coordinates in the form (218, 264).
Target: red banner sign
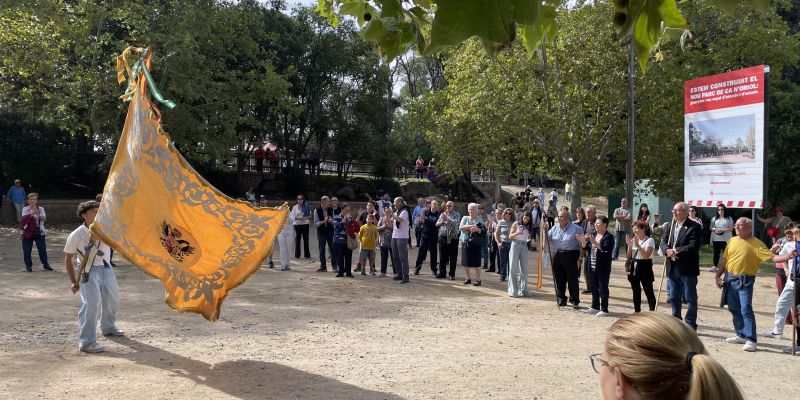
(731, 89)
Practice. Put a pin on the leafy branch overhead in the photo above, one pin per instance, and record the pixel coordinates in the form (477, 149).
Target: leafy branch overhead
(432, 26)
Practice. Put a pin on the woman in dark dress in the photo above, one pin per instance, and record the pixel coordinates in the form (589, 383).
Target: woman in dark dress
(599, 246)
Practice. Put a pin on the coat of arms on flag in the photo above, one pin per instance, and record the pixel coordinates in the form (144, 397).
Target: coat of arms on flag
(162, 216)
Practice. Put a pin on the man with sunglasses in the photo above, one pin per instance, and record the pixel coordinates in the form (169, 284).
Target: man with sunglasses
(741, 259)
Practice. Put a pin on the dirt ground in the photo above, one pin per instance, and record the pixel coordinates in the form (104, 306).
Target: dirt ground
(308, 335)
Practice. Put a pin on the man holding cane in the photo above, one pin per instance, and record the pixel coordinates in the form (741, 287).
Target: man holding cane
(96, 281)
(741, 259)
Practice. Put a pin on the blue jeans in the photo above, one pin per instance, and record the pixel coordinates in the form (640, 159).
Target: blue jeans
(504, 250)
(740, 304)
(100, 297)
(619, 238)
(685, 286)
(27, 248)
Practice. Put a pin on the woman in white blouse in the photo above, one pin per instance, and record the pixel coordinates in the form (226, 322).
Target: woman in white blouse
(640, 270)
(721, 232)
(302, 218)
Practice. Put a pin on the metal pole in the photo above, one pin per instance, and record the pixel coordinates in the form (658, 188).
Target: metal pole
(629, 179)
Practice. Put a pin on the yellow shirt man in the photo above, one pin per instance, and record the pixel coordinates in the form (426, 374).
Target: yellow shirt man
(368, 235)
(743, 256)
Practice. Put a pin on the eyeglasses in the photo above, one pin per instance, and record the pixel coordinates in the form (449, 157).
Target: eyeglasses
(598, 362)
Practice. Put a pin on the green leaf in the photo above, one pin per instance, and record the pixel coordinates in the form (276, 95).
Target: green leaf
(457, 20)
(526, 12)
(634, 9)
(648, 26)
(358, 9)
(545, 26)
(391, 8)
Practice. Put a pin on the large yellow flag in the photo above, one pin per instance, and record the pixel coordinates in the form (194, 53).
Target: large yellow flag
(162, 216)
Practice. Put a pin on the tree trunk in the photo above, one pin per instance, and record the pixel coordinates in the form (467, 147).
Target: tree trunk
(577, 190)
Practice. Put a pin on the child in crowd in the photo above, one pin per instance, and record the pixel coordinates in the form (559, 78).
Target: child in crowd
(368, 236)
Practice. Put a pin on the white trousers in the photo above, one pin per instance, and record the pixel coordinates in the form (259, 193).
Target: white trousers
(783, 306)
(285, 241)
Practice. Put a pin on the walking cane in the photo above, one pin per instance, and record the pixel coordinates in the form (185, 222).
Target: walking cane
(539, 257)
(664, 271)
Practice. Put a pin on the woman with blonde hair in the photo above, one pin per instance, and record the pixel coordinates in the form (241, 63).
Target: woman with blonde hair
(656, 356)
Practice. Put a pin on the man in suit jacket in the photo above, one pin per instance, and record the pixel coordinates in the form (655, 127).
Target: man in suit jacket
(682, 250)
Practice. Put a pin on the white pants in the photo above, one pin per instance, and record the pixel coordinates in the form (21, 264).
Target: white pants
(285, 240)
(518, 269)
(100, 298)
(783, 306)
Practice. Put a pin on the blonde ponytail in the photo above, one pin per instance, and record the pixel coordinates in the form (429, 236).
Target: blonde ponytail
(664, 359)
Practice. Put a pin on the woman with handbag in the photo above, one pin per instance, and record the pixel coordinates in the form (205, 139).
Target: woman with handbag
(503, 241)
(472, 244)
(600, 246)
(32, 231)
(639, 265)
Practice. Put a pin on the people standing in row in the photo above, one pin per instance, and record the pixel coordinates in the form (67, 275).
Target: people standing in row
(721, 232)
(640, 271)
(741, 259)
(401, 239)
(520, 235)
(323, 220)
(430, 235)
(302, 219)
(599, 247)
(33, 231)
(680, 243)
(448, 240)
(472, 237)
(567, 253)
(622, 216)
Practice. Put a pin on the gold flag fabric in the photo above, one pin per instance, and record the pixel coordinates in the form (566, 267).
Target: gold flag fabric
(163, 217)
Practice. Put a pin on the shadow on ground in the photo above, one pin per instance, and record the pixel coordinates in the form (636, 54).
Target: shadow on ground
(246, 379)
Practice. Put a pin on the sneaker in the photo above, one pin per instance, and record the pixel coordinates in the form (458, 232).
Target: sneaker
(468, 281)
(452, 278)
(322, 269)
(713, 269)
(358, 268)
(271, 265)
(502, 278)
(750, 346)
(592, 311)
(602, 314)
(440, 276)
(404, 281)
(477, 283)
(28, 270)
(397, 278)
(787, 349)
(773, 335)
(47, 268)
(339, 275)
(372, 272)
(586, 291)
(416, 271)
(288, 267)
(115, 332)
(575, 306)
(93, 348)
(349, 275)
(736, 340)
